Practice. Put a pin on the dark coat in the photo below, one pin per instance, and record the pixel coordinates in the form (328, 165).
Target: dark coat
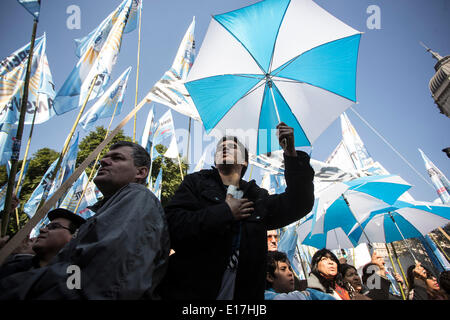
(18, 263)
(201, 230)
(121, 251)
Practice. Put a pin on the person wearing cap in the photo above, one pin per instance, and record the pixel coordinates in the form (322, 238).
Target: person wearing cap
(216, 214)
(120, 252)
(52, 238)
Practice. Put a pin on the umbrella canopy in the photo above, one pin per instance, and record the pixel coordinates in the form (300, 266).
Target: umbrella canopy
(401, 221)
(276, 60)
(347, 203)
(332, 239)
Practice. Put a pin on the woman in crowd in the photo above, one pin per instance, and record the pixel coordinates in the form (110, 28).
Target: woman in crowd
(423, 285)
(352, 282)
(325, 277)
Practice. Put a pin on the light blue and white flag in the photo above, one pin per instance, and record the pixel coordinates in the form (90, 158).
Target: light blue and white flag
(149, 131)
(273, 183)
(7, 134)
(164, 134)
(44, 186)
(288, 245)
(47, 187)
(4, 187)
(40, 91)
(158, 185)
(133, 19)
(73, 196)
(170, 89)
(32, 6)
(68, 164)
(97, 37)
(99, 54)
(111, 100)
(201, 163)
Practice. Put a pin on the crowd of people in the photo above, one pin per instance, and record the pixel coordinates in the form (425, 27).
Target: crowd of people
(210, 242)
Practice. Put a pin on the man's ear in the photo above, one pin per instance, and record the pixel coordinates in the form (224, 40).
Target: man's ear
(142, 173)
(269, 278)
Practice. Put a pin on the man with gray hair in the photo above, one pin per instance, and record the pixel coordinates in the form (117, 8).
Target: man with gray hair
(119, 253)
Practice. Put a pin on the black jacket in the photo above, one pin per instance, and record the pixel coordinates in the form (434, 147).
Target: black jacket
(201, 228)
(121, 252)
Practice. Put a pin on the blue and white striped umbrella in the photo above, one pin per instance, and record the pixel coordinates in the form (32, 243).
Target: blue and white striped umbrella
(332, 239)
(275, 60)
(402, 220)
(344, 204)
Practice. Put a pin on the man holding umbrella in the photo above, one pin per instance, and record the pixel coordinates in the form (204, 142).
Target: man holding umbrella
(218, 223)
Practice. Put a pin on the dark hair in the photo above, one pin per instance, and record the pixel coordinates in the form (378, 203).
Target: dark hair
(328, 284)
(444, 281)
(344, 267)
(273, 257)
(432, 294)
(141, 158)
(73, 227)
(240, 145)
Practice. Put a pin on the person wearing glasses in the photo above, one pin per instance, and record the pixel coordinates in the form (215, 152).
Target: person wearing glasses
(120, 253)
(52, 238)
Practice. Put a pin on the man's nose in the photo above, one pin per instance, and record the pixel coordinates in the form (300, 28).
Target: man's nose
(104, 162)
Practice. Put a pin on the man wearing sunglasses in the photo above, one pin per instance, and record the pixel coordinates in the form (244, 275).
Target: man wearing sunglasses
(52, 238)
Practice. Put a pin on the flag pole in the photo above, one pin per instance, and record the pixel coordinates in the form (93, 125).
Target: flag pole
(399, 264)
(26, 151)
(395, 270)
(437, 243)
(444, 233)
(189, 138)
(23, 233)
(137, 72)
(17, 141)
(66, 144)
(96, 160)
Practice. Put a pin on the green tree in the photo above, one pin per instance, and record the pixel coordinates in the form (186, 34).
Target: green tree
(92, 140)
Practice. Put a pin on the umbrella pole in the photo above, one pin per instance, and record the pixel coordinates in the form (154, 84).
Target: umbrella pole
(269, 83)
(359, 224)
(395, 270)
(409, 249)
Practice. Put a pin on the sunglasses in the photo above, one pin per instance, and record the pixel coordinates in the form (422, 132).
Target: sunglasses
(56, 225)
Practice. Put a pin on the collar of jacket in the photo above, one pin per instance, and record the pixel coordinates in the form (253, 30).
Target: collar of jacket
(243, 185)
(314, 283)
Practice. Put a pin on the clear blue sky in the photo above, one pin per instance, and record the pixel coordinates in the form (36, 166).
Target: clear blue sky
(392, 80)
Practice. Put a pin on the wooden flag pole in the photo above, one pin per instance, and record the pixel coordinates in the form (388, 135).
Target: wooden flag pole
(444, 233)
(26, 153)
(17, 141)
(395, 270)
(399, 264)
(95, 162)
(137, 72)
(25, 231)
